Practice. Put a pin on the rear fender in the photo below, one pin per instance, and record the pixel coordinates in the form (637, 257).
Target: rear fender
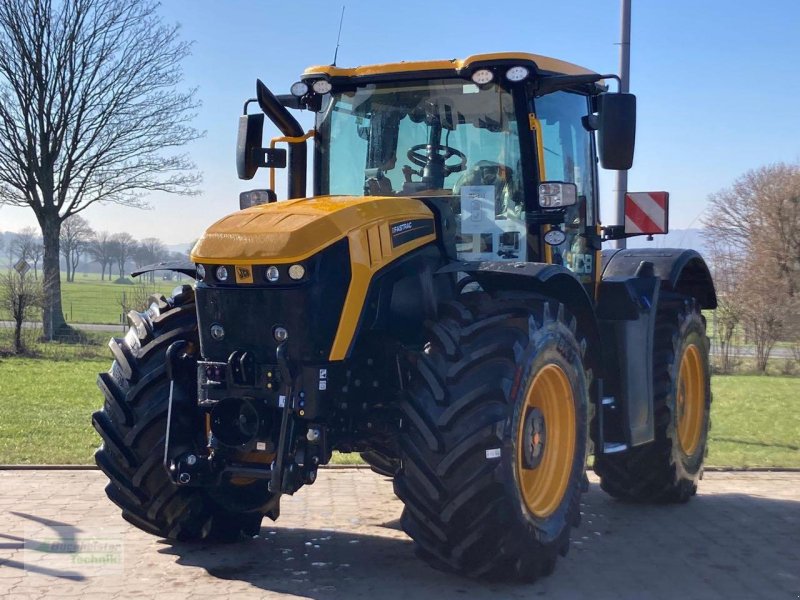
(680, 270)
(627, 300)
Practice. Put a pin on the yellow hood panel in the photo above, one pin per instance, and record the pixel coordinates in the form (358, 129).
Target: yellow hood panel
(293, 230)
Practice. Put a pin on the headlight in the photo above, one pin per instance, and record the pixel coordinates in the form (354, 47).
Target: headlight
(272, 274)
(222, 273)
(322, 86)
(482, 76)
(296, 272)
(201, 271)
(299, 89)
(517, 73)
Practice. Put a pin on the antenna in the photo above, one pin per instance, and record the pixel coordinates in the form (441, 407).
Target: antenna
(338, 37)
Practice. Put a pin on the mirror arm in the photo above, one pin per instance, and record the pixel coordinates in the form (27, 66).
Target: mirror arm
(617, 232)
(552, 216)
(247, 103)
(554, 83)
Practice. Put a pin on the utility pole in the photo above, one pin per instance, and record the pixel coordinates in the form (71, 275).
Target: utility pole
(624, 87)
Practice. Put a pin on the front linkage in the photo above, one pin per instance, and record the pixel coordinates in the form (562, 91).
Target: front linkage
(247, 431)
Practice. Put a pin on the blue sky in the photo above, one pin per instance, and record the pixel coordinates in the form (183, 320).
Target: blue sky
(716, 83)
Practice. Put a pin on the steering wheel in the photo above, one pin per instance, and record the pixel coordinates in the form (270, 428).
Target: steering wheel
(422, 155)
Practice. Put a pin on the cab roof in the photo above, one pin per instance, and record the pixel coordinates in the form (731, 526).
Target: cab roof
(455, 66)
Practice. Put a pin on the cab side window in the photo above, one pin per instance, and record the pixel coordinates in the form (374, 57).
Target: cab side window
(567, 148)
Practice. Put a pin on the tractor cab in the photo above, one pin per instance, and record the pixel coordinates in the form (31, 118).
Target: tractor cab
(503, 145)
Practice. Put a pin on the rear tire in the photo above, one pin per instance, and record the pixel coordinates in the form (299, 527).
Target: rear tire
(668, 468)
(381, 463)
(132, 425)
(475, 502)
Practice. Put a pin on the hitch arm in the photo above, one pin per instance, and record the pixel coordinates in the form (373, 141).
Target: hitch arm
(287, 422)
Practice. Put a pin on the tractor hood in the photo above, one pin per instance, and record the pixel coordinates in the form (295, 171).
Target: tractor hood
(293, 230)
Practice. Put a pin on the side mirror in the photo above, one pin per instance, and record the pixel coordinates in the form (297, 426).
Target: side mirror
(616, 125)
(255, 197)
(249, 153)
(251, 130)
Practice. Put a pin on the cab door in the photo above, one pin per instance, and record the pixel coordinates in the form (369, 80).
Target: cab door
(567, 154)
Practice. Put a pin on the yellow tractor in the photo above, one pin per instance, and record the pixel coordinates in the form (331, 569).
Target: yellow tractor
(440, 303)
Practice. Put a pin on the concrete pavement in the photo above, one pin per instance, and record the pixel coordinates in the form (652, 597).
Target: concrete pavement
(61, 538)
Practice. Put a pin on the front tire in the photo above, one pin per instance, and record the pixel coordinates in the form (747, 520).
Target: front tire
(668, 468)
(132, 425)
(494, 441)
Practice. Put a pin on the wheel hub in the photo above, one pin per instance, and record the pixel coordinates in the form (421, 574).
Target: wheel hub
(536, 435)
(690, 399)
(546, 440)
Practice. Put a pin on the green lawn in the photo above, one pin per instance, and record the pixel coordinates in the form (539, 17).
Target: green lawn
(46, 408)
(89, 300)
(755, 421)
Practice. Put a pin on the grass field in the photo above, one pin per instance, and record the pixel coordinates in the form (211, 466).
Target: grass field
(46, 408)
(89, 300)
(755, 421)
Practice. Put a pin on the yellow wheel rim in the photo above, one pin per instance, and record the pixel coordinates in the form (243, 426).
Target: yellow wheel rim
(546, 441)
(690, 399)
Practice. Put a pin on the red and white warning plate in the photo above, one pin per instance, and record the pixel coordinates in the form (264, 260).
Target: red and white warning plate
(646, 212)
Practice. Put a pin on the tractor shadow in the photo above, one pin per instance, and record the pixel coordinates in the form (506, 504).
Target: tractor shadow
(56, 533)
(327, 564)
(733, 542)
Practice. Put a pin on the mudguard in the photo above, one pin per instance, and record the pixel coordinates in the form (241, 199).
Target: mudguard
(627, 299)
(680, 270)
(179, 266)
(553, 281)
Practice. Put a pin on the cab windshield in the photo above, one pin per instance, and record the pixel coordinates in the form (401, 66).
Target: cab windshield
(441, 137)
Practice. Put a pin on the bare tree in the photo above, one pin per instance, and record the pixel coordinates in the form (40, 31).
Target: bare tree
(23, 242)
(134, 297)
(100, 249)
(76, 233)
(20, 294)
(726, 267)
(11, 250)
(151, 250)
(89, 111)
(756, 224)
(764, 313)
(36, 255)
(123, 247)
(27, 246)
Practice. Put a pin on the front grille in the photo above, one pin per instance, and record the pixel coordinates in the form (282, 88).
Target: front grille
(248, 316)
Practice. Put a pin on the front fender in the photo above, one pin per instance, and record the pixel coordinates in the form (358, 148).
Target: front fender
(179, 266)
(553, 281)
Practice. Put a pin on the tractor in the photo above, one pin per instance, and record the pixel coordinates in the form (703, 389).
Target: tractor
(441, 303)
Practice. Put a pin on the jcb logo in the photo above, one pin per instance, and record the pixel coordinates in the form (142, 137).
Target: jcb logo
(582, 264)
(244, 274)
